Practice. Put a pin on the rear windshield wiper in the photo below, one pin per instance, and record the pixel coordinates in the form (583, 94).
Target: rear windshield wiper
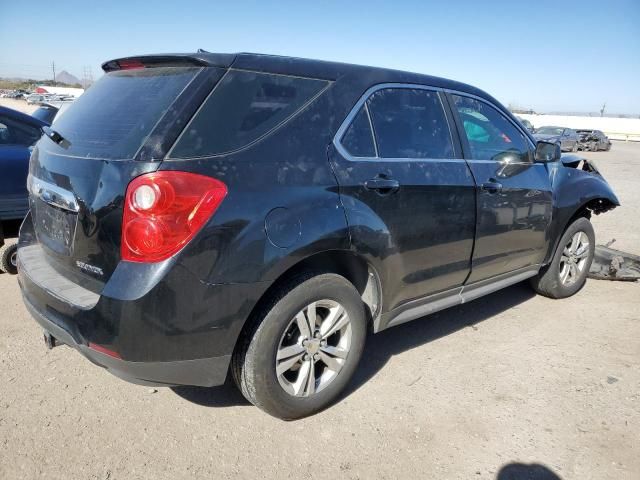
(55, 136)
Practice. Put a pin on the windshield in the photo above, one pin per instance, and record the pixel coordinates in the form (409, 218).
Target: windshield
(550, 130)
(113, 118)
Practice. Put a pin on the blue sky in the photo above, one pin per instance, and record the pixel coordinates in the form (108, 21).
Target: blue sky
(547, 55)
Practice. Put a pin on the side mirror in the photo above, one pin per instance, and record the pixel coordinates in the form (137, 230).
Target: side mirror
(547, 152)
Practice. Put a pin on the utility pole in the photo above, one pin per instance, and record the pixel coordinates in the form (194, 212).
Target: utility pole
(87, 77)
(53, 68)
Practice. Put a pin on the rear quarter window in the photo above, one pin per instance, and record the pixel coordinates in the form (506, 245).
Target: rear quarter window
(244, 107)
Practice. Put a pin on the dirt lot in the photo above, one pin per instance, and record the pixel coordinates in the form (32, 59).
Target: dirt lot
(466, 393)
(18, 104)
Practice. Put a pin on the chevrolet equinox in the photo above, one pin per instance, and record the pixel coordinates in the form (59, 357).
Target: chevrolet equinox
(193, 215)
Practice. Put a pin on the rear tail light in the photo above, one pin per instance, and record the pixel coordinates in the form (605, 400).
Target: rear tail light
(164, 210)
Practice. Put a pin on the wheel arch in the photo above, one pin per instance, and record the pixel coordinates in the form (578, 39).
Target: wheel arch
(597, 205)
(342, 262)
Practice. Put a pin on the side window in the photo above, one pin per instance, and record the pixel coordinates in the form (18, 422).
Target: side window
(410, 123)
(490, 134)
(358, 139)
(243, 107)
(16, 133)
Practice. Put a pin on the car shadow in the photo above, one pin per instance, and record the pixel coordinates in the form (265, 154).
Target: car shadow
(523, 471)
(381, 347)
(226, 395)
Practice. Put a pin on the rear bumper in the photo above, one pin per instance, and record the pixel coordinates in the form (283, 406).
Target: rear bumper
(167, 326)
(206, 372)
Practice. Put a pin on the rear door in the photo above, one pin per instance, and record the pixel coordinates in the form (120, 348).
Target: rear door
(119, 129)
(408, 194)
(514, 193)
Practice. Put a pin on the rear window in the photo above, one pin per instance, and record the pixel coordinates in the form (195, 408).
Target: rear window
(242, 108)
(358, 139)
(13, 132)
(45, 113)
(410, 123)
(112, 119)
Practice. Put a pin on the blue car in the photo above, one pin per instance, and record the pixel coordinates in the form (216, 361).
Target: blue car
(18, 133)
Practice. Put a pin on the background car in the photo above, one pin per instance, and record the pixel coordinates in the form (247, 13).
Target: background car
(38, 98)
(18, 133)
(526, 124)
(593, 140)
(566, 137)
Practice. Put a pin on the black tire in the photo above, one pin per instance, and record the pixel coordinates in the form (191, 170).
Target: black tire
(548, 282)
(253, 362)
(8, 254)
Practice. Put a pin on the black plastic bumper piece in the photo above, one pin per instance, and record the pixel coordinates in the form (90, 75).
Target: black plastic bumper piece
(205, 372)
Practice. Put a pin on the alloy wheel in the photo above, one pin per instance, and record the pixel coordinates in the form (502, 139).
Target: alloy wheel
(574, 258)
(313, 348)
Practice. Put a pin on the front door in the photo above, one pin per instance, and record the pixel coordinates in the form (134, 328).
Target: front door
(514, 193)
(408, 194)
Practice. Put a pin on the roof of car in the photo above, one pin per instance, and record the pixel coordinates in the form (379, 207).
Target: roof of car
(303, 67)
(22, 117)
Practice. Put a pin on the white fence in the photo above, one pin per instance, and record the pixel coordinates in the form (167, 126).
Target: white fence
(627, 129)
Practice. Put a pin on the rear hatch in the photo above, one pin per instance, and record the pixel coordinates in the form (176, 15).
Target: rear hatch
(120, 128)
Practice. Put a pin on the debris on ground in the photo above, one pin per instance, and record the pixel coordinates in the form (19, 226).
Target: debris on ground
(611, 264)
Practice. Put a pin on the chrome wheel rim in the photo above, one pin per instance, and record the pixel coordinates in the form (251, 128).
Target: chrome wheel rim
(14, 259)
(574, 258)
(314, 348)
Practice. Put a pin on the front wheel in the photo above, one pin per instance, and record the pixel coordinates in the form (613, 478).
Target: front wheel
(304, 347)
(567, 272)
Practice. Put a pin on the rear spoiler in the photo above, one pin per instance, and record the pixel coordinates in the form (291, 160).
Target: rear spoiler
(200, 59)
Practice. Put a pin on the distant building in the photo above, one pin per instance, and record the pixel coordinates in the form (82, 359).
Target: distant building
(73, 92)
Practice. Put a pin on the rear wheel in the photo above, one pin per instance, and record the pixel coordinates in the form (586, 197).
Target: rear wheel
(9, 258)
(303, 348)
(567, 272)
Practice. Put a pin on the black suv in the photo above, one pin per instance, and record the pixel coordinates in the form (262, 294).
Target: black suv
(196, 214)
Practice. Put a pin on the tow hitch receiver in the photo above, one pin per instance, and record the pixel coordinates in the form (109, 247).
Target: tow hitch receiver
(49, 340)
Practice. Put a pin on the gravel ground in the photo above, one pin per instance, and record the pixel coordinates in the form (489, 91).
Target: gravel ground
(512, 385)
(18, 104)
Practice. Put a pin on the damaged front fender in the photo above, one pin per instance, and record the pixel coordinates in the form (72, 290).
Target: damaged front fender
(578, 189)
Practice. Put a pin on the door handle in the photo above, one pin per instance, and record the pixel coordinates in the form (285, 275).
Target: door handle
(383, 186)
(491, 187)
